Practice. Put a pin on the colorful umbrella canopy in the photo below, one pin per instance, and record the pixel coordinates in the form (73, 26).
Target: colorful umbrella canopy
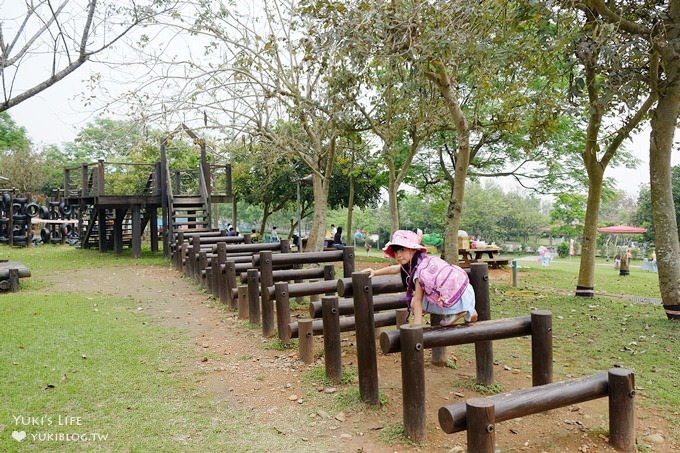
(622, 229)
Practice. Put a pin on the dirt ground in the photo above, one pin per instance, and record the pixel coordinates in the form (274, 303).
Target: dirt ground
(270, 382)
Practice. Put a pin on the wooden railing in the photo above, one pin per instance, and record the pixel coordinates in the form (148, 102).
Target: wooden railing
(112, 178)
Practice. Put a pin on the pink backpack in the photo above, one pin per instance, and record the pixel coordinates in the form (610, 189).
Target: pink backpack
(442, 283)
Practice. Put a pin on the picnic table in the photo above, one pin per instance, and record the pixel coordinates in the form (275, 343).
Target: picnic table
(488, 254)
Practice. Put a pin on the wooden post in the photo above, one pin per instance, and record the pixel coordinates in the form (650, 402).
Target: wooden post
(402, 316)
(202, 264)
(179, 244)
(253, 295)
(481, 430)
(438, 353)
(243, 307)
(13, 280)
(101, 225)
(136, 231)
(306, 340)
(230, 282)
(479, 278)
(220, 273)
(331, 338)
(209, 277)
(266, 280)
(622, 409)
(541, 347)
(365, 336)
(282, 311)
(119, 216)
(347, 261)
(153, 228)
(413, 381)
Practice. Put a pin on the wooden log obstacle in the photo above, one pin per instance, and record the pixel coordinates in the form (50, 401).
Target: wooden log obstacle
(267, 261)
(479, 415)
(412, 340)
(10, 273)
(392, 297)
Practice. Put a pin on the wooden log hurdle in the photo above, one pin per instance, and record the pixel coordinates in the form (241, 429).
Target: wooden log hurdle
(266, 262)
(10, 273)
(412, 340)
(479, 415)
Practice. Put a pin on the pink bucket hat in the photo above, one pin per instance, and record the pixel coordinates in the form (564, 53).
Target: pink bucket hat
(404, 238)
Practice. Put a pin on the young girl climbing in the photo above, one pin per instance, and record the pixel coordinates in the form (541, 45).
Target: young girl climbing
(432, 285)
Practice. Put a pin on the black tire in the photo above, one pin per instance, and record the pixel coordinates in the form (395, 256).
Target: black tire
(21, 200)
(20, 218)
(32, 209)
(18, 208)
(44, 213)
(65, 209)
(66, 229)
(45, 234)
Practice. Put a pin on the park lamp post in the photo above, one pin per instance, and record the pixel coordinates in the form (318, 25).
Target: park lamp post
(306, 180)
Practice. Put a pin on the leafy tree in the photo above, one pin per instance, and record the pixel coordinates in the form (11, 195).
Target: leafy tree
(643, 215)
(19, 163)
(609, 80)
(567, 213)
(69, 33)
(657, 25)
(11, 135)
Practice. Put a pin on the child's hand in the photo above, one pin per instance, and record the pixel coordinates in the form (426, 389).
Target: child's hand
(370, 271)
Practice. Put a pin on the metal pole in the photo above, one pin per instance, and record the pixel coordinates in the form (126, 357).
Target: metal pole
(299, 213)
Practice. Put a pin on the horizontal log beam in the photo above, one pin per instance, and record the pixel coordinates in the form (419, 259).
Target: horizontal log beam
(303, 258)
(463, 333)
(290, 274)
(346, 306)
(381, 285)
(347, 323)
(532, 400)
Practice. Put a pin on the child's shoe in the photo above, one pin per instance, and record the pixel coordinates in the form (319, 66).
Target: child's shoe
(449, 320)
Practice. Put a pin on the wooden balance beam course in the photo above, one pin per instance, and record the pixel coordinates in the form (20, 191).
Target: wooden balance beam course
(412, 340)
(228, 259)
(266, 261)
(189, 252)
(479, 415)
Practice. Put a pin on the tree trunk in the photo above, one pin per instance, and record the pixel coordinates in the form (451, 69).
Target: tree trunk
(318, 228)
(664, 119)
(586, 272)
(455, 208)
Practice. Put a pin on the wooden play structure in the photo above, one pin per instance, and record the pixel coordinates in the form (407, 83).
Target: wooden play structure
(117, 203)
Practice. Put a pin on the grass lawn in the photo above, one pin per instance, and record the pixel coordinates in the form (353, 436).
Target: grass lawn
(82, 372)
(74, 366)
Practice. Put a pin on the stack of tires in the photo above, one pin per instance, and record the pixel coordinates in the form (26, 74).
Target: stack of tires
(17, 210)
(56, 233)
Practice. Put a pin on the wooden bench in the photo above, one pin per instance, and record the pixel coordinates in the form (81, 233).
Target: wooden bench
(495, 263)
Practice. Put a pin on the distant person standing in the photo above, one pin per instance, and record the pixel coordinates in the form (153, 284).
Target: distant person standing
(275, 235)
(624, 268)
